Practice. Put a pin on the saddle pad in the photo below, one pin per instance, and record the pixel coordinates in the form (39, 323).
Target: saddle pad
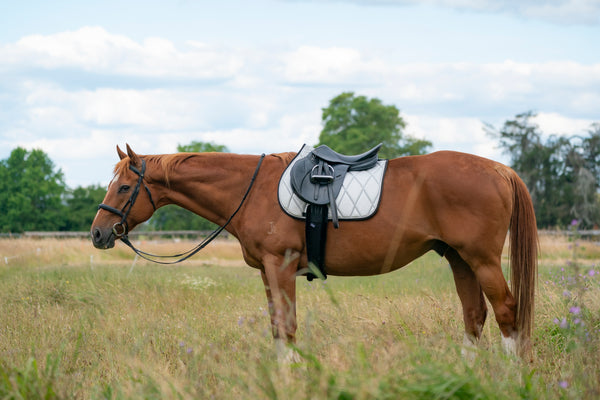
(358, 199)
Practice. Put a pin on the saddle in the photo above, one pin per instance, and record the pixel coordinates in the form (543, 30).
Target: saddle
(317, 180)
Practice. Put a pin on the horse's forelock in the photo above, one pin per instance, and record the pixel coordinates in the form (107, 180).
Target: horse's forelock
(121, 166)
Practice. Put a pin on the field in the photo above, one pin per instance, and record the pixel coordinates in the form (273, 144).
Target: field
(76, 322)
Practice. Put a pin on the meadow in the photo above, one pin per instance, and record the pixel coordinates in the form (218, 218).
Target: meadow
(76, 322)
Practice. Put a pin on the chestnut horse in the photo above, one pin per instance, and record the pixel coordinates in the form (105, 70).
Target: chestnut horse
(459, 203)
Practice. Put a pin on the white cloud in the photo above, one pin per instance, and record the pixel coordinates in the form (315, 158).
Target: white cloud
(556, 11)
(333, 65)
(556, 124)
(92, 49)
(260, 100)
(562, 11)
(497, 88)
(458, 134)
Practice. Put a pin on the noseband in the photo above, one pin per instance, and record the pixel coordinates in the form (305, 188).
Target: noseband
(121, 229)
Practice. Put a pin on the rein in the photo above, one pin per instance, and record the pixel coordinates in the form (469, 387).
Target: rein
(149, 256)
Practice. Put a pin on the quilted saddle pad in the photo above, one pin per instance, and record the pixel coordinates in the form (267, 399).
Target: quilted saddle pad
(358, 199)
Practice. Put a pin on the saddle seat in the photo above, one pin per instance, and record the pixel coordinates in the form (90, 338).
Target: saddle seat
(358, 162)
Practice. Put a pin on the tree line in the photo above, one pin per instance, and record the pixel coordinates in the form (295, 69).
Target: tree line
(562, 173)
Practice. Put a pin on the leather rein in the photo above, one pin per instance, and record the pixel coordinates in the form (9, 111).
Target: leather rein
(121, 229)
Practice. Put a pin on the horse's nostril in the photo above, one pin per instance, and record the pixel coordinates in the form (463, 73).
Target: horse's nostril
(97, 235)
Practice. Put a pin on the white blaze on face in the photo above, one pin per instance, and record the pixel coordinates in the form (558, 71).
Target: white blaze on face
(114, 179)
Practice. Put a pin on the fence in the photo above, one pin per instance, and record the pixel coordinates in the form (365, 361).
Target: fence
(591, 233)
(134, 234)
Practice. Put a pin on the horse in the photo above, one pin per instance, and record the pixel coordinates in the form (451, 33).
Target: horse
(463, 204)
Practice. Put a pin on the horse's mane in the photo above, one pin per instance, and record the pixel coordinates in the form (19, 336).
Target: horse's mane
(166, 162)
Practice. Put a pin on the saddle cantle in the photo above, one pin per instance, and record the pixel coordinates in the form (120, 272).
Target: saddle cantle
(321, 184)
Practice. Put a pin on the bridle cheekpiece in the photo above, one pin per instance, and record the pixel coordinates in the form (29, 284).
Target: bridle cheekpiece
(121, 229)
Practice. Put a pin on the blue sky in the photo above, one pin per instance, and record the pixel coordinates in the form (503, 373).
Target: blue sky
(79, 77)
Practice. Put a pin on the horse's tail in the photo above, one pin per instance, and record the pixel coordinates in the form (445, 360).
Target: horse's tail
(524, 246)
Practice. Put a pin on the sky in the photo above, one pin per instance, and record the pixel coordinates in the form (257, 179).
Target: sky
(79, 77)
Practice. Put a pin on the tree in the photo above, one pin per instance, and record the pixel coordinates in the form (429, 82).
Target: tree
(172, 217)
(202, 147)
(582, 169)
(31, 192)
(561, 172)
(354, 124)
(82, 204)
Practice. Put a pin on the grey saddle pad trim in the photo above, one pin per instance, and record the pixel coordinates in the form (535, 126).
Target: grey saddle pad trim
(358, 199)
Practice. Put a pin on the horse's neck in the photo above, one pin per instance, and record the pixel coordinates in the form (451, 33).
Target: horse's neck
(209, 184)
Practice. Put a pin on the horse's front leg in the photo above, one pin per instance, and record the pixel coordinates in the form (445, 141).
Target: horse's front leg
(279, 277)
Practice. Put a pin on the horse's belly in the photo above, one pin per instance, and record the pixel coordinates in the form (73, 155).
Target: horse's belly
(362, 261)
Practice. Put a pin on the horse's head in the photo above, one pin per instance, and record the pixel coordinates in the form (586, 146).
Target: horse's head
(128, 201)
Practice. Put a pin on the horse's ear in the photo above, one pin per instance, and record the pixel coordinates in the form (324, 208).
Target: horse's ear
(135, 159)
(120, 153)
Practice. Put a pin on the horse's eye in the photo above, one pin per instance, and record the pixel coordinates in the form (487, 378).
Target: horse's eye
(124, 189)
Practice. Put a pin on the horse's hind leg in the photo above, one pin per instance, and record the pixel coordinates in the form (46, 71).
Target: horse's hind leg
(471, 297)
(488, 272)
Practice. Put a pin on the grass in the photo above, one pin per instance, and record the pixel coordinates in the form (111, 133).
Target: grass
(81, 323)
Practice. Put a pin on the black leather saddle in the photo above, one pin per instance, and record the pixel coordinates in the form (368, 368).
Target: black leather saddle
(317, 179)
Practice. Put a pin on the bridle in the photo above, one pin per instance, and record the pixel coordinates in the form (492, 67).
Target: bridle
(121, 229)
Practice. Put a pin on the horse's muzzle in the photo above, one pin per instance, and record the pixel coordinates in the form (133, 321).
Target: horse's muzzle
(103, 238)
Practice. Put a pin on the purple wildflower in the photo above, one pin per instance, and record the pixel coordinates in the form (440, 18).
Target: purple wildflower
(574, 222)
(575, 310)
(564, 324)
(563, 384)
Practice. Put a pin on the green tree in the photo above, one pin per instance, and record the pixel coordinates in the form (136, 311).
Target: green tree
(31, 192)
(354, 124)
(560, 172)
(172, 217)
(202, 147)
(582, 172)
(82, 204)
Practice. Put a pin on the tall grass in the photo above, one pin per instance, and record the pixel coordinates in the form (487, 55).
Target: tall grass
(81, 323)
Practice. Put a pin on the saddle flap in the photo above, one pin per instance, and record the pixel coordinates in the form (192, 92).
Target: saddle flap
(315, 189)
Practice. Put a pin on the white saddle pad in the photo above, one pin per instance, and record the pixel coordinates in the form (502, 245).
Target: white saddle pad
(358, 199)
